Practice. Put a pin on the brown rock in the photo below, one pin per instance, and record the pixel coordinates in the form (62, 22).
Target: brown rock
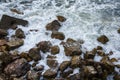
(53, 26)
(103, 39)
(3, 33)
(26, 56)
(99, 48)
(18, 68)
(16, 11)
(64, 65)
(52, 63)
(44, 46)
(89, 55)
(75, 61)
(51, 57)
(118, 31)
(55, 50)
(67, 72)
(34, 54)
(50, 74)
(15, 43)
(32, 75)
(19, 33)
(38, 68)
(74, 77)
(61, 18)
(2, 42)
(11, 21)
(58, 35)
(116, 77)
(100, 53)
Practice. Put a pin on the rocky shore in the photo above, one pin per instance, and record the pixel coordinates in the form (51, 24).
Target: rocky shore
(16, 66)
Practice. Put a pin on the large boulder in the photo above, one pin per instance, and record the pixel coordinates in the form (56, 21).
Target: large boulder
(53, 26)
(44, 46)
(8, 21)
(103, 39)
(19, 33)
(58, 35)
(17, 68)
(34, 53)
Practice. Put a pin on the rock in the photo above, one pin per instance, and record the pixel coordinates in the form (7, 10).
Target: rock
(118, 31)
(116, 77)
(2, 42)
(100, 53)
(3, 77)
(3, 33)
(58, 35)
(75, 61)
(103, 39)
(55, 50)
(113, 60)
(89, 55)
(44, 46)
(64, 65)
(61, 18)
(18, 68)
(32, 75)
(15, 43)
(53, 26)
(26, 56)
(50, 74)
(19, 33)
(8, 21)
(34, 54)
(16, 11)
(38, 68)
(99, 48)
(52, 63)
(67, 72)
(72, 47)
(74, 77)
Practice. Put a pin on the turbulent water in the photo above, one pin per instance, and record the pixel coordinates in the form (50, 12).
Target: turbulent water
(86, 20)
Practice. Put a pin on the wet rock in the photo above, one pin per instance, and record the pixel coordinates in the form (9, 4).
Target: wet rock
(103, 39)
(50, 74)
(61, 18)
(15, 43)
(64, 65)
(26, 56)
(32, 75)
(34, 54)
(58, 35)
(55, 50)
(44, 46)
(52, 63)
(19, 33)
(3, 33)
(118, 31)
(116, 77)
(75, 61)
(53, 26)
(72, 47)
(38, 68)
(89, 55)
(67, 72)
(8, 21)
(16, 11)
(74, 77)
(18, 68)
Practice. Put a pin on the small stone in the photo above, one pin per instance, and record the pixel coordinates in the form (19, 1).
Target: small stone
(89, 55)
(52, 63)
(75, 61)
(19, 33)
(74, 77)
(44, 46)
(100, 53)
(58, 35)
(103, 39)
(118, 31)
(16, 11)
(3, 33)
(15, 43)
(99, 48)
(113, 60)
(26, 56)
(55, 50)
(51, 57)
(34, 54)
(38, 68)
(32, 75)
(61, 18)
(67, 72)
(64, 65)
(50, 74)
(18, 68)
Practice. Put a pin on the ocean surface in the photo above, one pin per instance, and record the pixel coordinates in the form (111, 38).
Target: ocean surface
(86, 20)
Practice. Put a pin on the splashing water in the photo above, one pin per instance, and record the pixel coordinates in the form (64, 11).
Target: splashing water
(86, 20)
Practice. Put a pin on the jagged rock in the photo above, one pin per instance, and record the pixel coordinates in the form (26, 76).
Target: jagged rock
(89, 55)
(55, 50)
(53, 26)
(38, 68)
(32, 75)
(15, 43)
(103, 39)
(72, 47)
(50, 74)
(75, 61)
(18, 68)
(64, 65)
(34, 54)
(61, 18)
(44, 46)
(67, 72)
(3, 33)
(19, 33)
(58, 35)
(52, 63)
(8, 21)
(118, 31)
